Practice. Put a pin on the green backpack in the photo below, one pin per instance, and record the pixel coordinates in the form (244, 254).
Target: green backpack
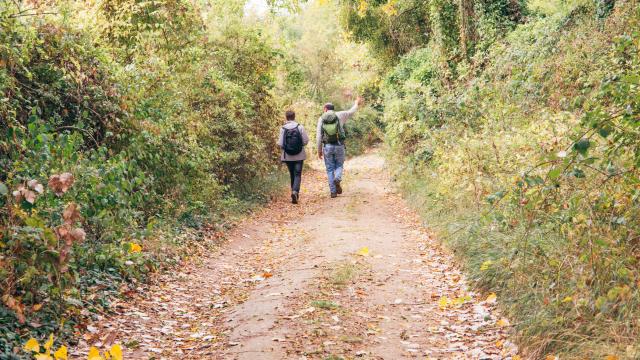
(332, 130)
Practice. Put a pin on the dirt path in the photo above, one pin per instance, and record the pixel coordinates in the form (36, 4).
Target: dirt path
(352, 277)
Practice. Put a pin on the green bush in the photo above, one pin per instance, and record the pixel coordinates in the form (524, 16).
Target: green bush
(527, 167)
(159, 136)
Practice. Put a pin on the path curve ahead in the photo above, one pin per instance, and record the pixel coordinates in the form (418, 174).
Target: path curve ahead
(352, 277)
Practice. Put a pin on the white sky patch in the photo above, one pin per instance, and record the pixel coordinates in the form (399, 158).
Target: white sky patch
(256, 8)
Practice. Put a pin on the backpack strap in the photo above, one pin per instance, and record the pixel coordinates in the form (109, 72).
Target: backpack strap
(284, 138)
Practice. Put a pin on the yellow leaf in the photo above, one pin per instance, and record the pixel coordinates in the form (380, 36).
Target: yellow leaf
(516, 357)
(43, 357)
(567, 299)
(499, 344)
(503, 322)
(94, 354)
(459, 301)
(61, 353)
(37, 307)
(49, 344)
(611, 357)
(492, 298)
(443, 302)
(116, 352)
(486, 265)
(32, 345)
(363, 252)
(134, 248)
(362, 8)
(551, 357)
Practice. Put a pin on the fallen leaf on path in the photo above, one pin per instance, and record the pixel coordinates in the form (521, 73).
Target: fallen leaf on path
(363, 251)
(94, 354)
(503, 322)
(492, 298)
(61, 353)
(444, 302)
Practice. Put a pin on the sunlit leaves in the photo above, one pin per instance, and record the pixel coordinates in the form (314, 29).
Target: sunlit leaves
(32, 346)
(94, 354)
(363, 6)
(134, 248)
(486, 265)
(114, 353)
(390, 8)
(61, 353)
(567, 299)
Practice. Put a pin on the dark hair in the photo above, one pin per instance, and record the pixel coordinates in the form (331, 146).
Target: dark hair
(329, 106)
(290, 115)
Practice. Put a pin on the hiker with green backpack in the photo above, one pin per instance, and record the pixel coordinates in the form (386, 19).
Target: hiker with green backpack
(330, 139)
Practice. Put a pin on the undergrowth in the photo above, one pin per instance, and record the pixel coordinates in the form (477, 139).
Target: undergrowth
(526, 166)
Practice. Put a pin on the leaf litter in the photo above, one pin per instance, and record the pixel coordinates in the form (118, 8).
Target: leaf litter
(407, 301)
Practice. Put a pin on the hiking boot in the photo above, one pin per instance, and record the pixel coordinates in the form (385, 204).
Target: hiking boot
(334, 195)
(294, 197)
(338, 187)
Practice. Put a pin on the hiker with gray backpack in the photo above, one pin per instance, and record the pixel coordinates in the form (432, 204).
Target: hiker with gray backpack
(292, 141)
(330, 136)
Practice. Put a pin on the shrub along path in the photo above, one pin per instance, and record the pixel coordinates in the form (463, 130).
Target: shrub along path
(356, 276)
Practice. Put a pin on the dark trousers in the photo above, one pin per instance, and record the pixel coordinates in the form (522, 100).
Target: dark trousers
(295, 173)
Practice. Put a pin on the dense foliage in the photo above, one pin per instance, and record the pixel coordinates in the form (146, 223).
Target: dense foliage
(320, 64)
(130, 130)
(524, 159)
(127, 127)
(123, 124)
(395, 28)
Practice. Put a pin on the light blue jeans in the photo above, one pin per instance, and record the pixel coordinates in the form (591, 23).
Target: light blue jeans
(334, 162)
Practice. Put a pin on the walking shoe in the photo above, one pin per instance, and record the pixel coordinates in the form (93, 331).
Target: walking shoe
(338, 187)
(294, 197)
(334, 195)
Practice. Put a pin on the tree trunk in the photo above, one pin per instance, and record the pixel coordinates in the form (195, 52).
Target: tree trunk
(467, 21)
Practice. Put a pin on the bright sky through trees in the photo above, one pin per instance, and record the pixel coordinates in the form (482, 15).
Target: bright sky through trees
(256, 7)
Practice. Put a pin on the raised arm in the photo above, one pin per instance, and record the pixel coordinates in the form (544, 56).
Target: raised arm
(347, 114)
